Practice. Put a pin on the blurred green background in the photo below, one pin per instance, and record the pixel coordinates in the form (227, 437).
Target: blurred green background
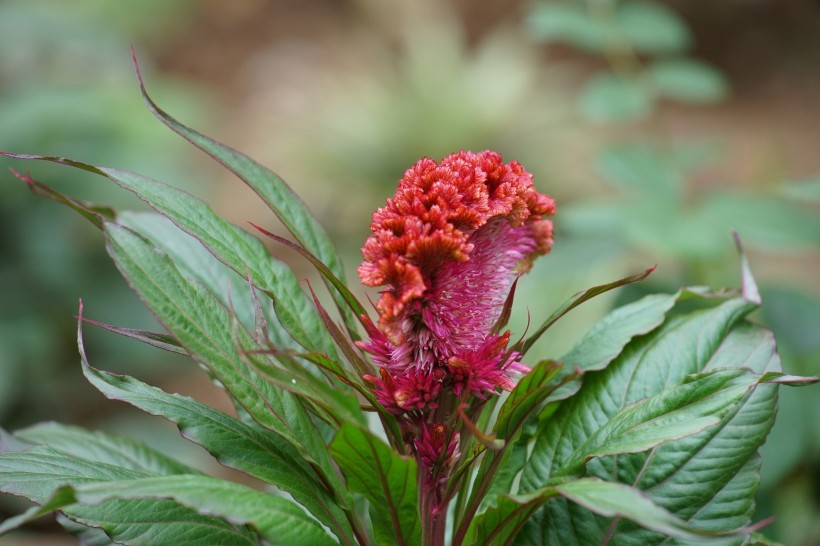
(658, 127)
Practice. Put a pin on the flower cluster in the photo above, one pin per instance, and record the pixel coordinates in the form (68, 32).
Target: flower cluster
(447, 247)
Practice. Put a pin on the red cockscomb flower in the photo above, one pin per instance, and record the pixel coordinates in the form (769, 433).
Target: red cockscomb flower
(447, 247)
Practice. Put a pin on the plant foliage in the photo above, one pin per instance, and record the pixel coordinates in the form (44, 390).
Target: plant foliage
(646, 432)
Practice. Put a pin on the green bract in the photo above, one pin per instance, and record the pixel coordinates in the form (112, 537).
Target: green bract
(646, 432)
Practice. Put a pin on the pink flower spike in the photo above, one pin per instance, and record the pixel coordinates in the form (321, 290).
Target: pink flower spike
(447, 247)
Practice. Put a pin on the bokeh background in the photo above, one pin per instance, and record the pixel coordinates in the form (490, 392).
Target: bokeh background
(658, 126)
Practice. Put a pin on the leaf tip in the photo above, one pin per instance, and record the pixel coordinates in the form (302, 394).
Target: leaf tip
(749, 288)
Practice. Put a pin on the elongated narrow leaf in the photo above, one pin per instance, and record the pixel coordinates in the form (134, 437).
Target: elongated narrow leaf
(387, 481)
(37, 473)
(205, 329)
(233, 246)
(577, 300)
(154, 339)
(279, 520)
(691, 476)
(96, 214)
(233, 443)
(281, 199)
(350, 300)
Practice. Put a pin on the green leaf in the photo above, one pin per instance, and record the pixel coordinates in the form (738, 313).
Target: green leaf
(103, 448)
(204, 327)
(685, 476)
(37, 473)
(195, 262)
(87, 536)
(604, 498)
(347, 296)
(232, 442)
(646, 27)
(608, 98)
(236, 248)
(569, 23)
(607, 338)
(95, 214)
(279, 520)
(386, 479)
(674, 413)
(281, 199)
(687, 80)
(528, 398)
(154, 339)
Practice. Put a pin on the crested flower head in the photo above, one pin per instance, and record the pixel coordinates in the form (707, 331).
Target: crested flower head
(447, 248)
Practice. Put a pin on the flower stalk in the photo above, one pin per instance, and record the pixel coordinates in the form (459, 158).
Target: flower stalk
(448, 249)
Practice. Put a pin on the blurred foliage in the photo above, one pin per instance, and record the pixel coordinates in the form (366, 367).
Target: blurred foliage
(646, 44)
(67, 88)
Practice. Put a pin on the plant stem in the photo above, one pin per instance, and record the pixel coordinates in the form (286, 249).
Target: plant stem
(433, 508)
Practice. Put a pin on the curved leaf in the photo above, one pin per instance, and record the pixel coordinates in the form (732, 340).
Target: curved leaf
(37, 473)
(233, 443)
(386, 479)
(578, 299)
(204, 327)
(281, 199)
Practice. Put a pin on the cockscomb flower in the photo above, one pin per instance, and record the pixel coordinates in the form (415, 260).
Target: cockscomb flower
(447, 248)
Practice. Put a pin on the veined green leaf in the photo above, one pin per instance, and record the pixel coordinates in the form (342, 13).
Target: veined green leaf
(702, 340)
(204, 328)
(87, 536)
(232, 442)
(608, 499)
(281, 199)
(674, 413)
(526, 399)
(607, 338)
(37, 473)
(196, 262)
(386, 479)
